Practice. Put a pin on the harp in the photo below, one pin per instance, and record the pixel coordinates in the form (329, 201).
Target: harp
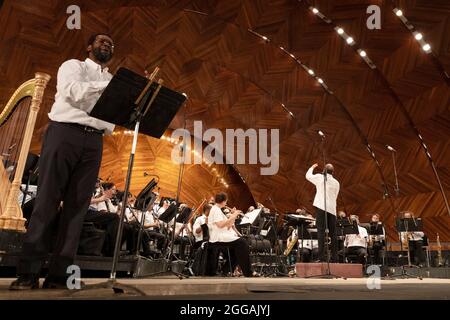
(17, 120)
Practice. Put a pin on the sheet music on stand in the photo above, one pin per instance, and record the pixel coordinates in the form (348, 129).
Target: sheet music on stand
(250, 217)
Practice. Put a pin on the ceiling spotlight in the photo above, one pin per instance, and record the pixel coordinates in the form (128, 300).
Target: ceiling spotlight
(264, 38)
(418, 36)
(292, 115)
(426, 47)
(362, 53)
(349, 40)
(320, 80)
(315, 11)
(340, 31)
(311, 72)
(292, 56)
(399, 13)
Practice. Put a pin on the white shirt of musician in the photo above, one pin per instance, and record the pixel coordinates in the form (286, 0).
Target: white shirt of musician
(197, 223)
(217, 234)
(79, 86)
(357, 240)
(331, 192)
(414, 236)
(102, 206)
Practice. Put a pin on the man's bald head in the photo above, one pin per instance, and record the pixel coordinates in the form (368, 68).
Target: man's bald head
(329, 168)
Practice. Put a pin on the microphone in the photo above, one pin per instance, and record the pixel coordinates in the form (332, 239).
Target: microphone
(321, 134)
(390, 148)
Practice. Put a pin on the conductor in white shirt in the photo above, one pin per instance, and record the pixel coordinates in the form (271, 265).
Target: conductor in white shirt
(68, 167)
(332, 191)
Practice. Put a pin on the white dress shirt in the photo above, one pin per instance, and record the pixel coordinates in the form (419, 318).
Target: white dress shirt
(106, 205)
(217, 234)
(413, 236)
(357, 240)
(331, 192)
(197, 223)
(79, 86)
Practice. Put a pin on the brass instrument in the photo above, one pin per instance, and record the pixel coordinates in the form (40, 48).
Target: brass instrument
(23, 106)
(292, 244)
(440, 261)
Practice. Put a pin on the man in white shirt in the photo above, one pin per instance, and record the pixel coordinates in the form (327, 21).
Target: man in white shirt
(376, 242)
(222, 233)
(357, 243)
(68, 166)
(414, 241)
(331, 192)
(197, 227)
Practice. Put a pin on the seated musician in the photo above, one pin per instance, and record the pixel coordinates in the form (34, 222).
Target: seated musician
(308, 248)
(133, 217)
(414, 242)
(104, 215)
(197, 228)
(376, 242)
(222, 233)
(357, 243)
(182, 233)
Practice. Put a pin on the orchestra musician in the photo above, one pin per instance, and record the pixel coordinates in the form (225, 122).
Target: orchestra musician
(332, 191)
(222, 234)
(356, 244)
(197, 227)
(414, 242)
(376, 242)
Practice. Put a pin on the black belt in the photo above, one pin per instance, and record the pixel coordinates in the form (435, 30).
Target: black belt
(82, 127)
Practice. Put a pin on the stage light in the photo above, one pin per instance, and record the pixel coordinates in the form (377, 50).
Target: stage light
(398, 12)
(350, 40)
(265, 38)
(418, 36)
(340, 31)
(362, 53)
(315, 11)
(320, 80)
(426, 47)
(311, 72)
(292, 115)
(292, 56)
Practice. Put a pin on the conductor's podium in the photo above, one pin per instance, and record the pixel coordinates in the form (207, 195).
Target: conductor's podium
(344, 270)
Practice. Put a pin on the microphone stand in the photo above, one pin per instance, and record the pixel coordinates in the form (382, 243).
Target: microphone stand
(277, 246)
(396, 188)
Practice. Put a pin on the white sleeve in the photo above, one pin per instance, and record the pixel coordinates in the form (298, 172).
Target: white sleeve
(71, 85)
(314, 178)
(197, 224)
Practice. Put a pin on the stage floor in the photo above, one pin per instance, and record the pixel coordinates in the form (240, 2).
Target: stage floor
(249, 288)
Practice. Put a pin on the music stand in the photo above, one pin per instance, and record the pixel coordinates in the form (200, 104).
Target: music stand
(144, 200)
(137, 103)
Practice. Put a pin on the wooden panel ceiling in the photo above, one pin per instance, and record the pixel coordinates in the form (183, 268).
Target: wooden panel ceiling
(237, 80)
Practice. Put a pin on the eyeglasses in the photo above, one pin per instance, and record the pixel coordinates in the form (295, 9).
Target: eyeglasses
(106, 42)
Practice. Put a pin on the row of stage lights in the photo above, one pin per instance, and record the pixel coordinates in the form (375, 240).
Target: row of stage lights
(350, 41)
(196, 154)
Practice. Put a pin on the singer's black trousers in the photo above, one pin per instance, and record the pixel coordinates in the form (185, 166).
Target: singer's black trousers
(321, 226)
(68, 169)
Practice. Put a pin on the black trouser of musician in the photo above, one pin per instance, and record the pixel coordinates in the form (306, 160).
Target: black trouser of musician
(109, 222)
(376, 248)
(239, 251)
(360, 252)
(307, 255)
(68, 168)
(320, 223)
(416, 252)
(153, 235)
(197, 245)
(183, 242)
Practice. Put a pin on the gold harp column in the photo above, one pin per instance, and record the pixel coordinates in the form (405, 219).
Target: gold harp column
(12, 218)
